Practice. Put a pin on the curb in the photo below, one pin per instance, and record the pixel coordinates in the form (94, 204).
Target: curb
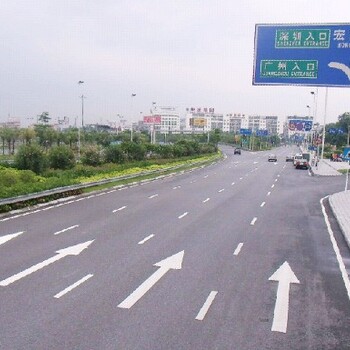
(339, 203)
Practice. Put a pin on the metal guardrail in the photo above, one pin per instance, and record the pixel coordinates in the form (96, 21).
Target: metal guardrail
(58, 190)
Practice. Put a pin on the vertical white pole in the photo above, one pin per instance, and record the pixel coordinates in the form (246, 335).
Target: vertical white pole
(324, 122)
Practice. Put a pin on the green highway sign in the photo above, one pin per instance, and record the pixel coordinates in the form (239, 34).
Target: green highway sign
(302, 38)
(289, 68)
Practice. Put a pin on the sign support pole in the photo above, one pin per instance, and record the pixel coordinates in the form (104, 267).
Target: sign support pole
(324, 122)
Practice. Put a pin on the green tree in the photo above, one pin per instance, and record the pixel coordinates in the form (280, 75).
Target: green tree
(61, 157)
(44, 118)
(31, 157)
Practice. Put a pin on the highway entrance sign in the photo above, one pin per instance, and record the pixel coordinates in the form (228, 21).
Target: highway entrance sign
(307, 54)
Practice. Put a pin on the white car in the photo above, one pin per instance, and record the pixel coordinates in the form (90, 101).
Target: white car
(272, 158)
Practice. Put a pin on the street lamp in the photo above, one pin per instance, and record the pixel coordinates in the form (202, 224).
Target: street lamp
(131, 135)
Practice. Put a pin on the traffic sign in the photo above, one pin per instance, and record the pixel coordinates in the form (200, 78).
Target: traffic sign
(243, 131)
(307, 54)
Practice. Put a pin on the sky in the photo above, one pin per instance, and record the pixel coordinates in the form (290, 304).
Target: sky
(180, 53)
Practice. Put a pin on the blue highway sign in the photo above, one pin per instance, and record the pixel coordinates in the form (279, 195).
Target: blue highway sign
(307, 54)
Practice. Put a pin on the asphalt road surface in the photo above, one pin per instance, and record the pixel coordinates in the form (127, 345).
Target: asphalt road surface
(236, 255)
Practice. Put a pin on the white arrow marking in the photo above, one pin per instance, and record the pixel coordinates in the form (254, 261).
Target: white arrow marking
(203, 311)
(7, 238)
(341, 66)
(119, 209)
(146, 239)
(66, 229)
(172, 262)
(73, 250)
(284, 276)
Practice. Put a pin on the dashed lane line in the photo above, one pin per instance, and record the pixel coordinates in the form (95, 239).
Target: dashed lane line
(146, 239)
(205, 308)
(238, 249)
(66, 229)
(119, 209)
(253, 221)
(71, 287)
(183, 215)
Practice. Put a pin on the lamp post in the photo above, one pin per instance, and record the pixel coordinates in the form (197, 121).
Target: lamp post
(82, 119)
(131, 131)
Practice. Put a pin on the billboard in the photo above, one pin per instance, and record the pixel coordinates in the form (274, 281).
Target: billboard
(299, 125)
(302, 54)
(198, 122)
(153, 119)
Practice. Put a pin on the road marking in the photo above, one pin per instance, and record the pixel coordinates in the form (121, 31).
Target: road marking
(183, 215)
(222, 190)
(232, 183)
(203, 311)
(206, 200)
(276, 180)
(273, 186)
(119, 209)
(71, 287)
(205, 176)
(62, 253)
(146, 239)
(176, 187)
(284, 276)
(268, 193)
(172, 262)
(122, 189)
(238, 249)
(278, 175)
(262, 204)
(66, 229)
(241, 178)
(7, 238)
(341, 264)
(153, 196)
(111, 191)
(253, 221)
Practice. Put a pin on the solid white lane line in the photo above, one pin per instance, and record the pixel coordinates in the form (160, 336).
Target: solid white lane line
(146, 239)
(119, 209)
(238, 249)
(262, 204)
(341, 264)
(273, 186)
(203, 311)
(153, 196)
(66, 229)
(268, 193)
(122, 189)
(206, 200)
(222, 190)
(71, 287)
(253, 221)
(183, 215)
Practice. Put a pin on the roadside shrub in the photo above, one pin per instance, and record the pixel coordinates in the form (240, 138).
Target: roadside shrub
(114, 154)
(31, 157)
(61, 157)
(92, 156)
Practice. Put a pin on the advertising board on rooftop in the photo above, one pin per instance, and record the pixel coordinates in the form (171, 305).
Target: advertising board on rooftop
(307, 54)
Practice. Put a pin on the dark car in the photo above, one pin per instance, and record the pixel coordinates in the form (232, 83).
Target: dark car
(289, 158)
(237, 151)
(272, 158)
